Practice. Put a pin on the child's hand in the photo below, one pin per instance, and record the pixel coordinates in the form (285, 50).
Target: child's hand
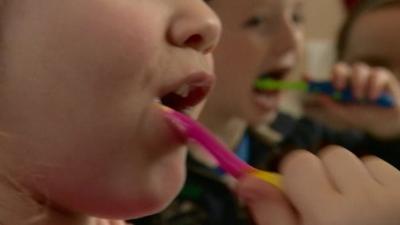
(335, 188)
(267, 205)
(366, 83)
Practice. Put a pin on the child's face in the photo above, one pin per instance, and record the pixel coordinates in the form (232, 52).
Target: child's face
(260, 38)
(78, 86)
(375, 39)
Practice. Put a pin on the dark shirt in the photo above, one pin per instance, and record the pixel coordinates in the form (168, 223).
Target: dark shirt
(304, 133)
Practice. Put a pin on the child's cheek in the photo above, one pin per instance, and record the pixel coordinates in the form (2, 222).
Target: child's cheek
(210, 61)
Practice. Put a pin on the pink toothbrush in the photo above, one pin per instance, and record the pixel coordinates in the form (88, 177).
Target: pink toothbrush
(227, 160)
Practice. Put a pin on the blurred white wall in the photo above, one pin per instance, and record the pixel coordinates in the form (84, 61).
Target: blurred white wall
(322, 21)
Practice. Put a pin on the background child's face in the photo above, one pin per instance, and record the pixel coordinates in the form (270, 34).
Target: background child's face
(78, 86)
(375, 39)
(260, 38)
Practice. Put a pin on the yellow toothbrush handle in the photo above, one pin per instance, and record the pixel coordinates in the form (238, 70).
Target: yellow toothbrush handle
(269, 177)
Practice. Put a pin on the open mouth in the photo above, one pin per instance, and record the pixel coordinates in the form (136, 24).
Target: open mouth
(188, 93)
(278, 74)
(268, 99)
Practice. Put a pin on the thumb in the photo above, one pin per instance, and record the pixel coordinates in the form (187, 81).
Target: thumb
(267, 205)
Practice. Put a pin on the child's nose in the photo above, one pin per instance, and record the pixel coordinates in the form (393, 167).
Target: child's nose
(285, 39)
(198, 28)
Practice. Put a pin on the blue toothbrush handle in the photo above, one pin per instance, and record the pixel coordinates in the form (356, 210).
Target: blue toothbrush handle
(346, 95)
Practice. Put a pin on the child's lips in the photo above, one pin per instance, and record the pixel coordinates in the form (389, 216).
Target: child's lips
(276, 74)
(267, 100)
(184, 95)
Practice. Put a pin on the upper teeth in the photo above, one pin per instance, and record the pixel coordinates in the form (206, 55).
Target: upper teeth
(183, 91)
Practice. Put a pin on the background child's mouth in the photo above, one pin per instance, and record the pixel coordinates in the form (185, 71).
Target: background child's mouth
(277, 74)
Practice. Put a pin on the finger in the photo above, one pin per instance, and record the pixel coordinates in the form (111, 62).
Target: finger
(346, 171)
(336, 110)
(250, 188)
(312, 102)
(267, 204)
(340, 75)
(325, 100)
(384, 173)
(378, 82)
(394, 88)
(359, 80)
(305, 182)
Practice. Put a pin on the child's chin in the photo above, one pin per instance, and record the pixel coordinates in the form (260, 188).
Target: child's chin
(125, 209)
(146, 206)
(161, 198)
(152, 206)
(139, 209)
(147, 202)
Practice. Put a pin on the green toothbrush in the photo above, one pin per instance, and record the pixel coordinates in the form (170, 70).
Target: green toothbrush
(321, 87)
